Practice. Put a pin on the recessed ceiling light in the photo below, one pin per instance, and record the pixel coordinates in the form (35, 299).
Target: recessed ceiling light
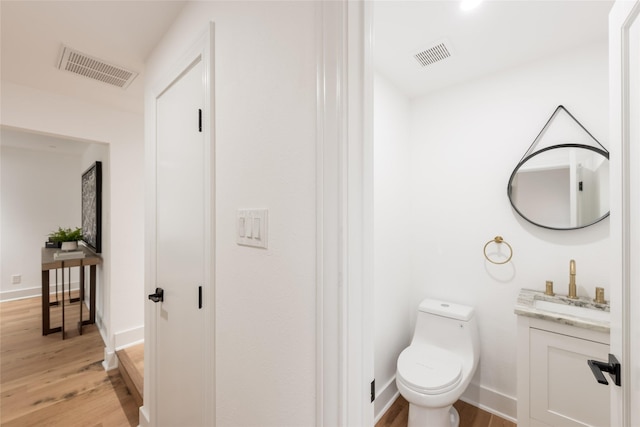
(469, 4)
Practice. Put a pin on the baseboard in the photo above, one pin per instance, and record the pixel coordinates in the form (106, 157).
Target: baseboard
(121, 340)
(385, 398)
(20, 294)
(143, 415)
(110, 361)
(129, 337)
(491, 401)
(484, 398)
(32, 292)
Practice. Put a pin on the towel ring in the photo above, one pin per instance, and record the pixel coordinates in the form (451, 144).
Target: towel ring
(498, 239)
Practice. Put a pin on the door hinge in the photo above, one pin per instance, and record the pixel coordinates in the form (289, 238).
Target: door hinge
(199, 297)
(373, 390)
(200, 120)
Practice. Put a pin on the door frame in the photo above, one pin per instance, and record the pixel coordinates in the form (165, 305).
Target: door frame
(203, 50)
(625, 283)
(344, 182)
(344, 252)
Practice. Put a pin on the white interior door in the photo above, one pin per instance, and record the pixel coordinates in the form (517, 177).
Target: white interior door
(624, 74)
(180, 251)
(634, 214)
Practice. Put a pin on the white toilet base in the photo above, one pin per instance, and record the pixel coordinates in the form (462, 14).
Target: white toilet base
(455, 417)
(420, 416)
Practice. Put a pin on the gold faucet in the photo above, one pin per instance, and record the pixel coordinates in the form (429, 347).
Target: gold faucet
(572, 280)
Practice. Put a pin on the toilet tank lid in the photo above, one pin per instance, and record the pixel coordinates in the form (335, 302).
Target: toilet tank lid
(446, 309)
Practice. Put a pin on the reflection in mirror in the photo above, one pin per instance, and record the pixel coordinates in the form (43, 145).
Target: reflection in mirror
(562, 187)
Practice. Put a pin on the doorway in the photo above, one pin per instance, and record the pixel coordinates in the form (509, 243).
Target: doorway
(179, 383)
(445, 144)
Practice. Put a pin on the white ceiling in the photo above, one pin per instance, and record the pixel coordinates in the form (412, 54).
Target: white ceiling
(495, 36)
(120, 32)
(39, 142)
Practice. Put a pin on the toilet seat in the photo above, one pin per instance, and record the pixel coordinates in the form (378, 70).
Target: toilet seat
(429, 369)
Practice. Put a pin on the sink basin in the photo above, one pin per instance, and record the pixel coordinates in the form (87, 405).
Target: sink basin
(572, 310)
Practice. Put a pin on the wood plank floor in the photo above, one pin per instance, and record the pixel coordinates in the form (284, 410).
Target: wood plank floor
(470, 416)
(47, 381)
(131, 367)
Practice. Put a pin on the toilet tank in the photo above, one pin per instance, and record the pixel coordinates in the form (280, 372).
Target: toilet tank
(447, 325)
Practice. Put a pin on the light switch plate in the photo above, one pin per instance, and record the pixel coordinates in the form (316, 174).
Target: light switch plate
(251, 227)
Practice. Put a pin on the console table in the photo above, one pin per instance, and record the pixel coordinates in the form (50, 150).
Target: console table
(90, 260)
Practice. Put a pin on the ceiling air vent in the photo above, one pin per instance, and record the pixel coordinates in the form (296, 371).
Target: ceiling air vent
(80, 63)
(433, 54)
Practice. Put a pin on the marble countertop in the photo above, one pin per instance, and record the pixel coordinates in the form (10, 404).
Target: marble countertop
(526, 306)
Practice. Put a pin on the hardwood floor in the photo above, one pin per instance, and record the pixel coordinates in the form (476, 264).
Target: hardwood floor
(131, 367)
(47, 381)
(470, 416)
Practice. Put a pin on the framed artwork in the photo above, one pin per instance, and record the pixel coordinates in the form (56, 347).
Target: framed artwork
(92, 207)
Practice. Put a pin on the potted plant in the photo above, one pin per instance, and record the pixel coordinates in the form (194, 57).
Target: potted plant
(66, 238)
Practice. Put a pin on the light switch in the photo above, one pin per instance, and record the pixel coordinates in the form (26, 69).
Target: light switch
(256, 228)
(248, 225)
(252, 227)
(241, 220)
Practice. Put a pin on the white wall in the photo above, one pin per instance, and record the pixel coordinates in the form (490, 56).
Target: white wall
(51, 114)
(392, 236)
(265, 100)
(40, 192)
(466, 141)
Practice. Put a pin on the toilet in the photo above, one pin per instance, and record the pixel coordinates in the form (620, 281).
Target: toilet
(435, 370)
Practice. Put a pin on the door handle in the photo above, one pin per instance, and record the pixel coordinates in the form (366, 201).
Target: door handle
(158, 296)
(613, 368)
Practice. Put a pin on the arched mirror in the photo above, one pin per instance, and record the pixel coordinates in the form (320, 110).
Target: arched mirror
(563, 186)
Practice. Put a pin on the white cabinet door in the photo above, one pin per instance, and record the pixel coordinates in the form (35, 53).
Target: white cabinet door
(563, 389)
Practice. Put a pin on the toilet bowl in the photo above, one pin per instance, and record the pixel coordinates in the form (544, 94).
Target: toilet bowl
(434, 371)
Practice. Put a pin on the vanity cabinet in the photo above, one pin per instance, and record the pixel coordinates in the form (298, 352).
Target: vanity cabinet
(555, 385)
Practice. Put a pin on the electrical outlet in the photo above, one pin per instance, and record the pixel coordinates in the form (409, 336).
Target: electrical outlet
(16, 279)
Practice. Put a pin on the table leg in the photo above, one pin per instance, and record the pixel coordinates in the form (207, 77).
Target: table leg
(62, 326)
(56, 302)
(69, 290)
(45, 302)
(92, 294)
(80, 323)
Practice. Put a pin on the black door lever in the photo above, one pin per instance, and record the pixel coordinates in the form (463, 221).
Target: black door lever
(158, 296)
(613, 368)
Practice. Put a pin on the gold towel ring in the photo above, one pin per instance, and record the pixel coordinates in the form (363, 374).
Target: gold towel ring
(498, 239)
